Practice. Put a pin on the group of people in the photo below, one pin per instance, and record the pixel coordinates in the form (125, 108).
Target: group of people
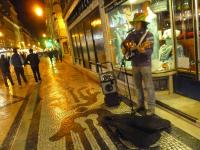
(57, 54)
(18, 63)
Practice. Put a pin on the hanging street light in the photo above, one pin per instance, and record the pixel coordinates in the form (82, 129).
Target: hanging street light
(1, 34)
(38, 10)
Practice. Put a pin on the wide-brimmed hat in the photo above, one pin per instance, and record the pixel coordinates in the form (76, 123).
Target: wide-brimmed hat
(138, 17)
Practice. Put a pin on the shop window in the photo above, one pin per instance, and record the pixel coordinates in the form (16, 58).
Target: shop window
(158, 16)
(119, 26)
(84, 45)
(77, 48)
(66, 48)
(74, 46)
(79, 42)
(89, 39)
(97, 33)
(183, 12)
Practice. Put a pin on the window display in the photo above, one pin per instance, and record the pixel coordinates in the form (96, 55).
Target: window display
(119, 24)
(159, 26)
(184, 23)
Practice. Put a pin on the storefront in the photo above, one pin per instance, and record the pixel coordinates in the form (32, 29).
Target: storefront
(174, 24)
(87, 40)
(175, 27)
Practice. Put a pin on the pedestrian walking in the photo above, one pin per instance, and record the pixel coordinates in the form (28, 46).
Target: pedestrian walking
(50, 54)
(33, 60)
(55, 53)
(5, 69)
(17, 62)
(60, 55)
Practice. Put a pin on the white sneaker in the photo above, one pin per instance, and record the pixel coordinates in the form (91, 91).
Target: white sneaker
(150, 112)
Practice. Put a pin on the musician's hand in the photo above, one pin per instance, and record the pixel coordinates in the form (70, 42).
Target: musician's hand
(141, 49)
(130, 44)
(147, 44)
(133, 45)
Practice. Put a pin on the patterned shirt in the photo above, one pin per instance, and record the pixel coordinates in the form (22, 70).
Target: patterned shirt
(141, 59)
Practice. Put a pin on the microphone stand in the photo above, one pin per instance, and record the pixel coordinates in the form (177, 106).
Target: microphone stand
(123, 65)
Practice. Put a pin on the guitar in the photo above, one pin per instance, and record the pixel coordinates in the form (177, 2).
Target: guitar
(129, 47)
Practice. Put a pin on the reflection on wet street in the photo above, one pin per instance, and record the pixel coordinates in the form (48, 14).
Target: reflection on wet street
(64, 111)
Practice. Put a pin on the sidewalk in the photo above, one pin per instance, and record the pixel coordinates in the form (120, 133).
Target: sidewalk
(184, 104)
(65, 112)
(11, 101)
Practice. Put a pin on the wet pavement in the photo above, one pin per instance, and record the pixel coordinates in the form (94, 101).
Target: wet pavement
(64, 111)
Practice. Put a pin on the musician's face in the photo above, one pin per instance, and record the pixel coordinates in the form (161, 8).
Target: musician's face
(138, 26)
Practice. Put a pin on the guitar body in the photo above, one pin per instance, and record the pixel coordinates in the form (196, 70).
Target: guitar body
(127, 49)
(130, 49)
(129, 54)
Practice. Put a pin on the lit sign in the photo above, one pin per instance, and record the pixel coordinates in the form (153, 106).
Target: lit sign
(159, 6)
(96, 22)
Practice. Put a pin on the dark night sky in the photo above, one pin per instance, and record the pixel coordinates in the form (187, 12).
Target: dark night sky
(32, 22)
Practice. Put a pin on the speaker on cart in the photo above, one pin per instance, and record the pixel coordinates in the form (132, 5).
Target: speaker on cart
(108, 83)
(112, 99)
(109, 88)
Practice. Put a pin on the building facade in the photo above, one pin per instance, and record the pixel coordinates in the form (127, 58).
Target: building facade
(9, 27)
(12, 33)
(56, 27)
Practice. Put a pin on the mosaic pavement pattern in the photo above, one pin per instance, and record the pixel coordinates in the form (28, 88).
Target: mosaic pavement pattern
(65, 112)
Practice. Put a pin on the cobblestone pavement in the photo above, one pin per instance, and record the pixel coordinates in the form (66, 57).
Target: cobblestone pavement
(64, 111)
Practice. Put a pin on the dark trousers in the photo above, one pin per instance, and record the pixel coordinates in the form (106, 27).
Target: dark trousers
(20, 72)
(51, 59)
(60, 58)
(7, 76)
(36, 72)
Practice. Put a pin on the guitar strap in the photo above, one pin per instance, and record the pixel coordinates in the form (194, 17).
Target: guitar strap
(142, 38)
(128, 57)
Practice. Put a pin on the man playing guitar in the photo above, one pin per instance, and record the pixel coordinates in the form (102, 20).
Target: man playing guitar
(138, 47)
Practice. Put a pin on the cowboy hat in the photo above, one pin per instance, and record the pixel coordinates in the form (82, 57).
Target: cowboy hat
(138, 17)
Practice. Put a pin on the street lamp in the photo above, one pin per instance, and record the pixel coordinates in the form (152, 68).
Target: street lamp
(38, 10)
(44, 35)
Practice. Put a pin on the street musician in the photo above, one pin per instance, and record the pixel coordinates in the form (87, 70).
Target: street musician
(138, 47)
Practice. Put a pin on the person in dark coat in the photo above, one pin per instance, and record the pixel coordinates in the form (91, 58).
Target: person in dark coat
(50, 54)
(59, 50)
(5, 69)
(60, 56)
(55, 53)
(34, 61)
(17, 62)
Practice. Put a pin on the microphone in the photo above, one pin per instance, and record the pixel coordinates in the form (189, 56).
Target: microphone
(130, 30)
